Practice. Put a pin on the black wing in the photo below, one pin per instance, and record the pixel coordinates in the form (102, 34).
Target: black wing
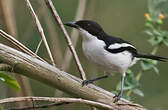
(110, 40)
(121, 49)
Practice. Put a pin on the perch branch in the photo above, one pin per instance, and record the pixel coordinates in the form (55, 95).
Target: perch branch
(33, 68)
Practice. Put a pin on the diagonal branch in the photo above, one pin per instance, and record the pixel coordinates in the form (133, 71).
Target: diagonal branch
(40, 29)
(33, 68)
(53, 35)
(75, 34)
(19, 45)
(68, 40)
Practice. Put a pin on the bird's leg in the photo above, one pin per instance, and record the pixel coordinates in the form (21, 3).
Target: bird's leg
(86, 82)
(119, 95)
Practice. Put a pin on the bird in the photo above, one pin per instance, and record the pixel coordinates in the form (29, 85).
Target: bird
(110, 53)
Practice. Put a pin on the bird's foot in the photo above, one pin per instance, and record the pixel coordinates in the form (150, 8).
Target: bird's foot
(117, 97)
(86, 82)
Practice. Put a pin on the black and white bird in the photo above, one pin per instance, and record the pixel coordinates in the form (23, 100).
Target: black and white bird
(109, 52)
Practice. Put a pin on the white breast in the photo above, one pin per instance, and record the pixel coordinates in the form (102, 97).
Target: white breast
(94, 50)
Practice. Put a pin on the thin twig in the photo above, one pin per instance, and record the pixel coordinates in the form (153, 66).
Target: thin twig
(38, 46)
(68, 40)
(54, 41)
(56, 100)
(41, 106)
(8, 17)
(19, 45)
(93, 108)
(30, 27)
(40, 29)
(74, 34)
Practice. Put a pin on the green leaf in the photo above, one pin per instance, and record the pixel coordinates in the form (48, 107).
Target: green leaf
(129, 71)
(146, 65)
(138, 92)
(1, 108)
(165, 42)
(156, 32)
(126, 87)
(153, 41)
(156, 70)
(10, 81)
(148, 32)
(149, 25)
(130, 81)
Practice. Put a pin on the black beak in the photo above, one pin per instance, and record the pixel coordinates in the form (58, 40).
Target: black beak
(71, 24)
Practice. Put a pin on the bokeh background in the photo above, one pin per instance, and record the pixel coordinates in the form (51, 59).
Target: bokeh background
(123, 18)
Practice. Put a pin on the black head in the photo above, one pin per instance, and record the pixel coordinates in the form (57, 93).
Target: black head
(87, 25)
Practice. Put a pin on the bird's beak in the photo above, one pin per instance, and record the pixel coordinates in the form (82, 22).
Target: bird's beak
(71, 24)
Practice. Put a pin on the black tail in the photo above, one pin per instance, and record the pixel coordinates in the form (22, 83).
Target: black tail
(153, 57)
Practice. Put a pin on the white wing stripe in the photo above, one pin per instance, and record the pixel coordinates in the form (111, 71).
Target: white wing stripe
(117, 45)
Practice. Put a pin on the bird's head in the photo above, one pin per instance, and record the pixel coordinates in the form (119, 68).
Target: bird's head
(87, 27)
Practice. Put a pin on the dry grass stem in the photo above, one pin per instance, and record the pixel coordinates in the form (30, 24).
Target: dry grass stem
(30, 27)
(54, 41)
(40, 29)
(38, 46)
(74, 34)
(68, 40)
(19, 45)
(8, 16)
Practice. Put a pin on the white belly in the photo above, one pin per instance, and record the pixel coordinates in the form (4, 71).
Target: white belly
(95, 52)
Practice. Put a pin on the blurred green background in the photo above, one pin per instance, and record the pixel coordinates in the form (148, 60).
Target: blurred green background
(123, 18)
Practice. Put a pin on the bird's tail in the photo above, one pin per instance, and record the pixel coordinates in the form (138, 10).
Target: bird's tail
(153, 57)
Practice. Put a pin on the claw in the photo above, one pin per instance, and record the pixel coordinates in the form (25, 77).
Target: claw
(117, 97)
(86, 82)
